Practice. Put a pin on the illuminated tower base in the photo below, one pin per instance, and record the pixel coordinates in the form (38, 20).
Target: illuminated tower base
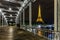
(39, 19)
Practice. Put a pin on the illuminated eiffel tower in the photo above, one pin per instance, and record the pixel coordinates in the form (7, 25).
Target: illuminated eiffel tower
(39, 19)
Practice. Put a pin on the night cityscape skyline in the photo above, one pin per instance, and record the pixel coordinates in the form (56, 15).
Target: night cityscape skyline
(47, 11)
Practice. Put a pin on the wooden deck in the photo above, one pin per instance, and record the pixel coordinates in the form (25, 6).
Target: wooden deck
(12, 33)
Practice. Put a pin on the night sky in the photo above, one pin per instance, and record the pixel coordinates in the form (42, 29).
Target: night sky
(47, 11)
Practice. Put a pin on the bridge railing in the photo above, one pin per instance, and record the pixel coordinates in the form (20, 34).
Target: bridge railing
(46, 33)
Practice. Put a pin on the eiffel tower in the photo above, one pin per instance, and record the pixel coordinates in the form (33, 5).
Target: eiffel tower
(39, 19)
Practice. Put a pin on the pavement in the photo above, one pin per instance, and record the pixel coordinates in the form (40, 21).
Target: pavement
(13, 33)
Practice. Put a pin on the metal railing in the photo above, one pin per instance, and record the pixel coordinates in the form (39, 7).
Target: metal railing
(46, 33)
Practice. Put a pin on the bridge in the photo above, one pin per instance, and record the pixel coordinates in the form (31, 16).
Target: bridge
(10, 10)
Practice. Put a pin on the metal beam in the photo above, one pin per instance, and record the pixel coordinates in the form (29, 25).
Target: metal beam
(23, 17)
(30, 14)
